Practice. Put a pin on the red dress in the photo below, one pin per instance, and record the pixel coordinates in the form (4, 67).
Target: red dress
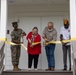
(37, 48)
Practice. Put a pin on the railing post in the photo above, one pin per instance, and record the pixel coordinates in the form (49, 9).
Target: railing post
(2, 44)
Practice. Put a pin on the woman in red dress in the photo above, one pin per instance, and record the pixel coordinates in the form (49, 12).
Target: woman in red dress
(33, 49)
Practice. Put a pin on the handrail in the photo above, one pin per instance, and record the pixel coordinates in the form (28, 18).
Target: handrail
(2, 44)
(73, 56)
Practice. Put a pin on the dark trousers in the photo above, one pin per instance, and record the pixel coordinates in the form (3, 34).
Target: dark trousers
(30, 60)
(66, 50)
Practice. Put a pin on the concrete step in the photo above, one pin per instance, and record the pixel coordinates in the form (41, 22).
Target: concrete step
(38, 72)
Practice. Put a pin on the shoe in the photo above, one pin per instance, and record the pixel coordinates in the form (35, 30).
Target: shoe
(35, 69)
(16, 68)
(52, 69)
(64, 69)
(29, 69)
(49, 69)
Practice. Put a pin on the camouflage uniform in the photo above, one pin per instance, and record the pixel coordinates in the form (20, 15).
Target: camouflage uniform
(15, 49)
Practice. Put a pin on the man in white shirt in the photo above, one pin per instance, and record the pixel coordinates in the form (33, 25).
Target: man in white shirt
(65, 35)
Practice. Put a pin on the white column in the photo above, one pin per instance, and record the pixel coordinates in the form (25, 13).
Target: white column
(3, 18)
(73, 31)
(73, 18)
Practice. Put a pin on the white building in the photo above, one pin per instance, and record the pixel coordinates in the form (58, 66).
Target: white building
(38, 13)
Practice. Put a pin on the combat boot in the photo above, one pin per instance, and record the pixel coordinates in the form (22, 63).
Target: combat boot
(16, 68)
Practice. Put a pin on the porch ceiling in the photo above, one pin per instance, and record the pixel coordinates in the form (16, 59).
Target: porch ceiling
(37, 2)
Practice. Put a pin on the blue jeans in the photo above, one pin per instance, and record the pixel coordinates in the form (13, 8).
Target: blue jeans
(50, 55)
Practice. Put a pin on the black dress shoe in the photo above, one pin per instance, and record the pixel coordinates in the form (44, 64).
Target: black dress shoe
(64, 69)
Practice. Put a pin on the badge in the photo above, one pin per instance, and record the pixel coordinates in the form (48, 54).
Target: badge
(68, 30)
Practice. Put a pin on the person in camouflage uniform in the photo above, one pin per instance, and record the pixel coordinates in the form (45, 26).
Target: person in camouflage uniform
(16, 35)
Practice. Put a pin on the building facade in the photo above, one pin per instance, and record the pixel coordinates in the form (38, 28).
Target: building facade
(30, 13)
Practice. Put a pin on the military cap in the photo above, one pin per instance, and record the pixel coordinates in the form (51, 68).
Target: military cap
(14, 23)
